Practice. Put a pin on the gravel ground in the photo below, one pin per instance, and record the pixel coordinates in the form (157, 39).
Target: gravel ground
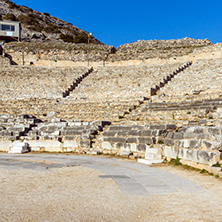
(78, 194)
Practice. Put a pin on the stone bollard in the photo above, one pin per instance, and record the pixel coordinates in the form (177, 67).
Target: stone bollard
(152, 91)
(168, 78)
(157, 88)
(162, 84)
(165, 81)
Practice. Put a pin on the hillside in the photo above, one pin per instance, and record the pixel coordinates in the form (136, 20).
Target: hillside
(41, 27)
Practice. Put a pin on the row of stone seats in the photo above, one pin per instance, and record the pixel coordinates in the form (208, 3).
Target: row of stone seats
(62, 136)
(201, 81)
(52, 134)
(13, 127)
(76, 83)
(180, 114)
(195, 143)
(198, 144)
(167, 79)
(133, 138)
(122, 83)
(19, 82)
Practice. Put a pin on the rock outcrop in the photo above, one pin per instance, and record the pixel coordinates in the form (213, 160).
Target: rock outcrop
(41, 27)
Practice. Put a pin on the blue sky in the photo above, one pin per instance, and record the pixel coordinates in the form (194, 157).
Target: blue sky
(124, 21)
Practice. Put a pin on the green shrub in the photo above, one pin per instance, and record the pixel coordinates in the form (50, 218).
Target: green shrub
(12, 5)
(176, 162)
(10, 17)
(160, 142)
(30, 19)
(46, 13)
(50, 28)
(35, 28)
(66, 38)
(81, 38)
(25, 9)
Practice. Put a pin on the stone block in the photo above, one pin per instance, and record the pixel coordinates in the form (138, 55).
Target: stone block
(171, 126)
(203, 136)
(214, 131)
(153, 153)
(107, 145)
(135, 133)
(5, 145)
(198, 130)
(147, 132)
(133, 147)
(85, 144)
(206, 157)
(195, 144)
(48, 145)
(213, 145)
(137, 127)
(121, 146)
(171, 152)
(131, 140)
(160, 127)
(192, 155)
(122, 133)
(170, 135)
(110, 133)
(184, 143)
(147, 140)
(115, 139)
(71, 144)
(168, 142)
(70, 137)
(152, 156)
(19, 147)
(71, 132)
(118, 128)
(178, 136)
(189, 135)
(141, 147)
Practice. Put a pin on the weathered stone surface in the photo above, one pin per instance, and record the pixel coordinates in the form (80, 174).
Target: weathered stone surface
(169, 142)
(71, 144)
(5, 145)
(107, 145)
(207, 157)
(147, 140)
(171, 152)
(141, 147)
(132, 140)
(195, 144)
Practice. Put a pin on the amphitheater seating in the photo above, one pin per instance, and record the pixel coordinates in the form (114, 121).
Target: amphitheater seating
(104, 95)
(18, 82)
(200, 81)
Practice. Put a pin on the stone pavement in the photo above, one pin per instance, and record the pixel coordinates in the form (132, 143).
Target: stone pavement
(131, 177)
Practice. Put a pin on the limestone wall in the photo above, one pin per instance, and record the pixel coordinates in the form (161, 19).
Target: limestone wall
(198, 146)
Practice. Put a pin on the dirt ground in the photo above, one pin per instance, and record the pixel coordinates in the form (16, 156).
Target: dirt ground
(78, 194)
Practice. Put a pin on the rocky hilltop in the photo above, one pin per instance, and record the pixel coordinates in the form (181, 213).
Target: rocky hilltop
(41, 27)
(125, 54)
(142, 49)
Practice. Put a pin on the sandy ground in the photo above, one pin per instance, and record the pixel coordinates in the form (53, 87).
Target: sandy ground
(78, 194)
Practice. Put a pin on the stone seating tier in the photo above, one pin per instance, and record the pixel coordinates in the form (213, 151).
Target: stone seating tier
(200, 81)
